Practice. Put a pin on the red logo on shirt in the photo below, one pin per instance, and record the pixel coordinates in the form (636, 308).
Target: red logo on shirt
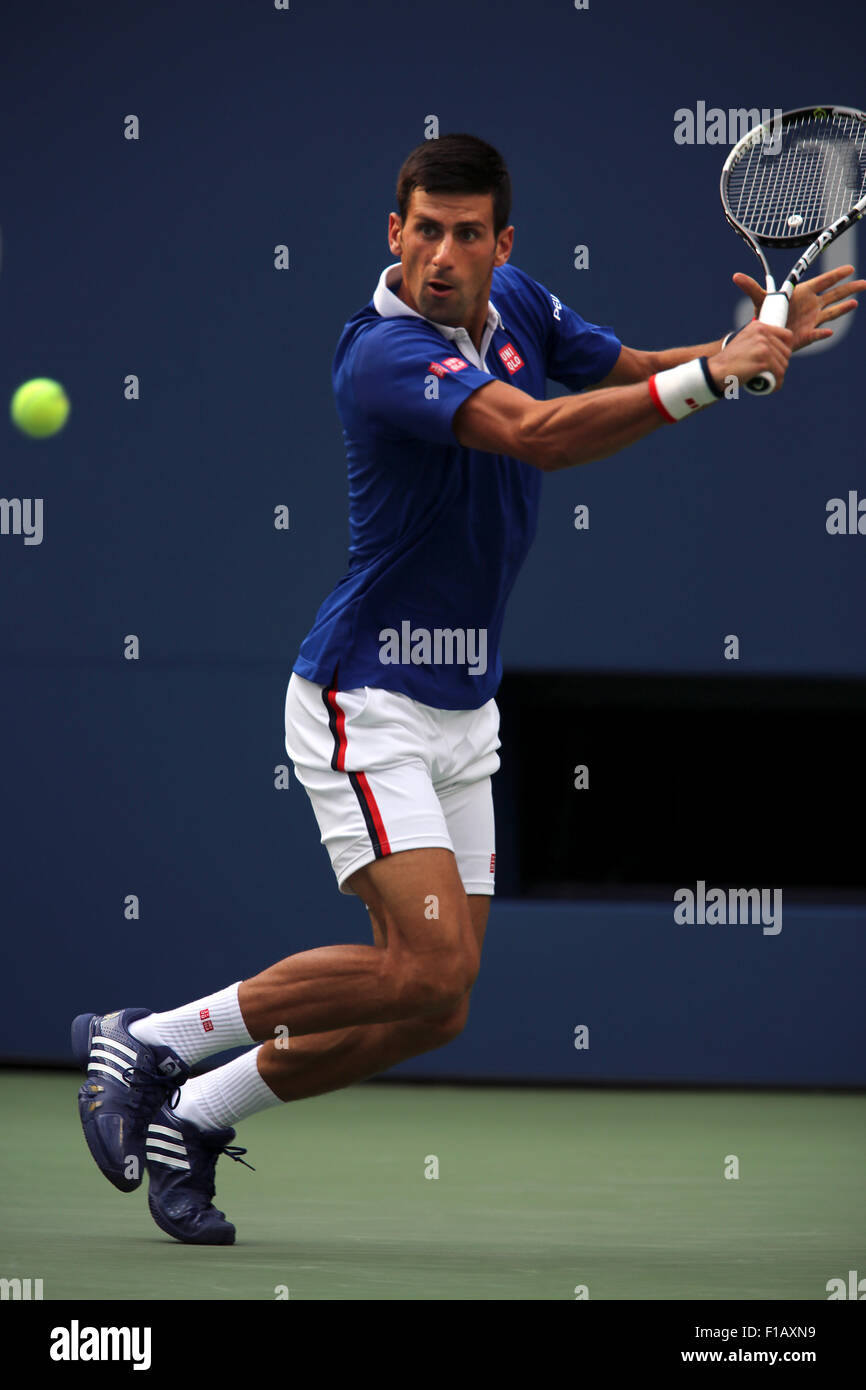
(511, 357)
(492, 863)
(454, 364)
(437, 368)
(204, 1015)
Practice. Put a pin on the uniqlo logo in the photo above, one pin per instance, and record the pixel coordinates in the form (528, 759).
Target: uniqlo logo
(692, 403)
(204, 1015)
(493, 863)
(511, 357)
(454, 364)
(437, 368)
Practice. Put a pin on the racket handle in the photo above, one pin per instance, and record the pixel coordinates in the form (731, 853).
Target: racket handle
(773, 310)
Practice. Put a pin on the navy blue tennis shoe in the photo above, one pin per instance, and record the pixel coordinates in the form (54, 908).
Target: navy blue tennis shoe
(181, 1164)
(127, 1082)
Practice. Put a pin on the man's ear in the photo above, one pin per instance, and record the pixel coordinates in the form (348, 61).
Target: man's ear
(505, 251)
(395, 227)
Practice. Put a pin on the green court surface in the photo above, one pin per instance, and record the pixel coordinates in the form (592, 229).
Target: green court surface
(539, 1191)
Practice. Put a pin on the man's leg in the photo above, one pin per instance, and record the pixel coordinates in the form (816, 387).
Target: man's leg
(293, 1067)
(184, 1143)
(427, 963)
(315, 1063)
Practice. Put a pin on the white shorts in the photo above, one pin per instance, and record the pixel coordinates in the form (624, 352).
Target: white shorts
(385, 773)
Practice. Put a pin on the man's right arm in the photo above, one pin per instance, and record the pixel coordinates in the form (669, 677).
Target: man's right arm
(500, 419)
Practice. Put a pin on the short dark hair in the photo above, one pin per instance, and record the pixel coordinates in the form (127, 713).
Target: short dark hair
(457, 164)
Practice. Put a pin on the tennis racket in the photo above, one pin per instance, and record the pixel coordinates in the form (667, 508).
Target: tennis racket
(798, 180)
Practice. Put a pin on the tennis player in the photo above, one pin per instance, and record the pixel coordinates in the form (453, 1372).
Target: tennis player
(391, 719)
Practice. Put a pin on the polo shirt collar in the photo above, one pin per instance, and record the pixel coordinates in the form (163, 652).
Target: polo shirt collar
(388, 303)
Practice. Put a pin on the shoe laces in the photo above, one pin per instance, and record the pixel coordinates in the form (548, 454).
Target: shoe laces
(206, 1179)
(235, 1151)
(149, 1082)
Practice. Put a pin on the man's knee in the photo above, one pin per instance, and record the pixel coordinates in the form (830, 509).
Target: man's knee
(430, 962)
(438, 1029)
(436, 983)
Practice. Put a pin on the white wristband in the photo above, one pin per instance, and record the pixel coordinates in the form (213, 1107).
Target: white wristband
(681, 390)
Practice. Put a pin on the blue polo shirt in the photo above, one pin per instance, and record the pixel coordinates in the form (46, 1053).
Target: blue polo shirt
(438, 533)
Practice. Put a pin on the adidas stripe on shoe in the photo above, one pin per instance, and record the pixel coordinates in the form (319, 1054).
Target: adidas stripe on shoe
(127, 1082)
(181, 1165)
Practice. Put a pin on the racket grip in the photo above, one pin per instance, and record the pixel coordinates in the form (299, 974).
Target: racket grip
(773, 310)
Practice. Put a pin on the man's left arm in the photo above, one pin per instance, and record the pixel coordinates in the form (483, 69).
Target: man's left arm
(813, 304)
(633, 366)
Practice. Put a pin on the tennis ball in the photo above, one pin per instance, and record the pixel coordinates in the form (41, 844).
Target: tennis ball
(40, 407)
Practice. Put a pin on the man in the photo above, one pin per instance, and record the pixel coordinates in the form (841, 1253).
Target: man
(391, 721)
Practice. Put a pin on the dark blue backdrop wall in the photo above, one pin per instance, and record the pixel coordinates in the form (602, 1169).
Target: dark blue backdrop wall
(154, 258)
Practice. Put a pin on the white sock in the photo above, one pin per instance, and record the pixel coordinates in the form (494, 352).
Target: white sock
(226, 1095)
(194, 1031)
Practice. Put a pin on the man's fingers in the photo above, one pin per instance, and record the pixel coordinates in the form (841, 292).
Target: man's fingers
(751, 287)
(828, 284)
(817, 336)
(838, 311)
(777, 343)
(759, 347)
(778, 360)
(830, 277)
(844, 292)
(783, 336)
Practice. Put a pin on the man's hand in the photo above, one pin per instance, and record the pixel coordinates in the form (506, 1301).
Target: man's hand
(813, 303)
(760, 347)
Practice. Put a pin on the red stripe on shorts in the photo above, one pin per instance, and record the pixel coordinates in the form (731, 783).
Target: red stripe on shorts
(360, 786)
(375, 815)
(338, 763)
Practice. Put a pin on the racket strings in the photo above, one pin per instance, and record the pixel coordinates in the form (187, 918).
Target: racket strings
(798, 194)
(801, 179)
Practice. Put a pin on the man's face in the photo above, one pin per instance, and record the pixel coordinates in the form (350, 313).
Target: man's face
(448, 253)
